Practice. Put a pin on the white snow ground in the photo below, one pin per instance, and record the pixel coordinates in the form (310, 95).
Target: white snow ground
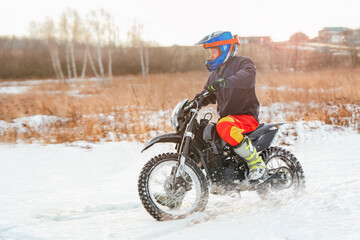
(89, 191)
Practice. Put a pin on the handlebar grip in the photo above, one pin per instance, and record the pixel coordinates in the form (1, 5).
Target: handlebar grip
(198, 100)
(206, 93)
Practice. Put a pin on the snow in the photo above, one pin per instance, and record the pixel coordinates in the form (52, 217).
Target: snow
(290, 89)
(27, 82)
(13, 90)
(17, 87)
(37, 82)
(89, 191)
(37, 122)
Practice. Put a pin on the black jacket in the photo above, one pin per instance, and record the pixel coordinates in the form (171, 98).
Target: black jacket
(238, 97)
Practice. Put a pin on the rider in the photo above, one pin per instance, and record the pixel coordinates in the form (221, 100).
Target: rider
(232, 82)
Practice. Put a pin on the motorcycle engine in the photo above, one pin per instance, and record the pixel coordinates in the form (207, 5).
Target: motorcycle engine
(228, 177)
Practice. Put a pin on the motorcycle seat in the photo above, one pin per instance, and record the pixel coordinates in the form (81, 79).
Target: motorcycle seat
(260, 126)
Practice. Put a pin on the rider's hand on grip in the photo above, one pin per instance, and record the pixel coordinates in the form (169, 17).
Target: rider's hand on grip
(215, 86)
(207, 98)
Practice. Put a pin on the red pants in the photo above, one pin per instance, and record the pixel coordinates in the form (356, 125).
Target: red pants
(232, 127)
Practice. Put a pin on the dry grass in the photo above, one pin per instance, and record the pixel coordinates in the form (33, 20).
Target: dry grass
(318, 92)
(336, 86)
(129, 99)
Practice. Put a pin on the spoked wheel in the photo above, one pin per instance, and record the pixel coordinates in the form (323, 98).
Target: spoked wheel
(286, 175)
(166, 196)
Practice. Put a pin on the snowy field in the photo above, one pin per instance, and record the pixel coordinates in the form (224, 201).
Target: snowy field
(89, 191)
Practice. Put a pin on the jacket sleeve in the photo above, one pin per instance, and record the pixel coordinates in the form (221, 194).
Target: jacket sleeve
(244, 78)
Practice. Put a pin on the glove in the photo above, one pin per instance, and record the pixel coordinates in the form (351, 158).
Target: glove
(211, 99)
(215, 86)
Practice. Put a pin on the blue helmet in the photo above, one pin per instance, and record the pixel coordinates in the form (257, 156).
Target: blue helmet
(227, 46)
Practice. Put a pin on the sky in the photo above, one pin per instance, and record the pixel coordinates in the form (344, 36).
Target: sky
(187, 21)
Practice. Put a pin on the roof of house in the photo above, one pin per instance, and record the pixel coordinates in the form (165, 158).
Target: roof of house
(337, 29)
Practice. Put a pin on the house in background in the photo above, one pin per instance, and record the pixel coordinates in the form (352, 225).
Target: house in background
(340, 35)
(333, 34)
(355, 37)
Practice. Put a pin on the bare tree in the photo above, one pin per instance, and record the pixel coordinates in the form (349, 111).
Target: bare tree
(112, 34)
(92, 62)
(70, 32)
(96, 27)
(75, 26)
(142, 62)
(64, 35)
(36, 31)
(135, 39)
(146, 61)
(47, 31)
(86, 37)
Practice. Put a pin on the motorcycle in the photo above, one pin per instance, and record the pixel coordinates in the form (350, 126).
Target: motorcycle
(174, 185)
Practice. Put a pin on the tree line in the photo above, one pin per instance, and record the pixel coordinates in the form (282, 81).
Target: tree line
(30, 58)
(75, 47)
(78, 47)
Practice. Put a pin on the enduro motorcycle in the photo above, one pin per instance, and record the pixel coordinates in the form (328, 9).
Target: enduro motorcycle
(174, 185)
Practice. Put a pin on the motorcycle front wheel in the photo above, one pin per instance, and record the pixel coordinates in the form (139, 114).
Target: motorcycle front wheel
(165, 196)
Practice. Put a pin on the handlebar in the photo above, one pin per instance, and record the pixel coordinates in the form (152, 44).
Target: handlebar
(206, 93)
(197, 101)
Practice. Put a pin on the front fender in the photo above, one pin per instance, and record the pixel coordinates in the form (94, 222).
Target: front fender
(170, 137)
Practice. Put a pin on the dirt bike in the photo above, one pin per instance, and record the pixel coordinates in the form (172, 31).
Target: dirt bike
(174, 185)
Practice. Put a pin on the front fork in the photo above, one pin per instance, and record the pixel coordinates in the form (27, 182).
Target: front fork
(185, 145)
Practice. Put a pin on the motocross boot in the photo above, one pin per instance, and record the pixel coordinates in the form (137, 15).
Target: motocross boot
(257, 167)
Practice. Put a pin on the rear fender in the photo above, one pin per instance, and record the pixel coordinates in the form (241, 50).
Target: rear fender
(264, 141)
(264, 136)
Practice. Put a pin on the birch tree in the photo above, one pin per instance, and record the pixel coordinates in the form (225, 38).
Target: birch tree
(96, 28)
(83, 38)
(83, 35)
(64, 36)
(135, 39)
(86, 38)
(76, 28)
(70, 31)
(47, 30)
(112, 35)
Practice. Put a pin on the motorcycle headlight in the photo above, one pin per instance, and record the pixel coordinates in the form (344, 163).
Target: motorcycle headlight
(175, 114)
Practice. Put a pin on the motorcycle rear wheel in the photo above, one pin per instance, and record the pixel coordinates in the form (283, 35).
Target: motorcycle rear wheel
(165, 197)
(291, 178)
